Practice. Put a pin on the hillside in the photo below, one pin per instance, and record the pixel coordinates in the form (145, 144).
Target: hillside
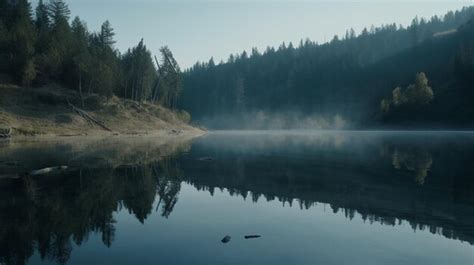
(61, 78)
(46, 111)
(347, 77)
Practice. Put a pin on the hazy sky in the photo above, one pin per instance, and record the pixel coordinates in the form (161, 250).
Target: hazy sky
(196, 30)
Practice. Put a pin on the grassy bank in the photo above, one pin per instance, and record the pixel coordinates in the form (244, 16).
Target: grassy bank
(48, 111)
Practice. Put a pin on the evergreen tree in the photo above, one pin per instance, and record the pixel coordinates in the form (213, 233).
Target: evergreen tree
(21, 42)
(170, 85)
(58, 11)
(107, 34)
(42, 17)
(80, 54)
(42, 23)
(140, 73)
(57, 53)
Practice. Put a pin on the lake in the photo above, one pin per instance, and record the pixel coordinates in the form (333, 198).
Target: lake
(313, 198)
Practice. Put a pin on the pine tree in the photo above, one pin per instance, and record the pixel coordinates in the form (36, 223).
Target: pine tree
(58, 11)
(140, 73)
(81, 56)
(58, 52)
(42, 18)
(4, 41)
(170, 79)
(107, 34)
(42, 23)
(21, 42)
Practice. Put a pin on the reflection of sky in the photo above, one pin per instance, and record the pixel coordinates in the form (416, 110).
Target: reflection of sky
(197, 30)
(290, 236)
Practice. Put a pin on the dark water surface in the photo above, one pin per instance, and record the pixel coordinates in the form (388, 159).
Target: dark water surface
(314, 197)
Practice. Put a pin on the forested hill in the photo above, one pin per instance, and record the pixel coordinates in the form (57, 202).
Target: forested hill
(361, 79)
(42, 45)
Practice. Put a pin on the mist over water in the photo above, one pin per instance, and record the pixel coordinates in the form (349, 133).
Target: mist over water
(265, 120)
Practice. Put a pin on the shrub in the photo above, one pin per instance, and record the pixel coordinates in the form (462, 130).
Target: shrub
(184, 116)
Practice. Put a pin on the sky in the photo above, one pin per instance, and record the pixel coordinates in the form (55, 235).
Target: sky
(200, 29)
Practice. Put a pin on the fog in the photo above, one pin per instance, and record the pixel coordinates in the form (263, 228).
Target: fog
(262, 120)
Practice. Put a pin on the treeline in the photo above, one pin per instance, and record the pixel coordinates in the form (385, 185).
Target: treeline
(44, 48)
(348, 75)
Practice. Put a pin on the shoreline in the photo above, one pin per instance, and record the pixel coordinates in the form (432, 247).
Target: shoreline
(47, 112)
(95, 135)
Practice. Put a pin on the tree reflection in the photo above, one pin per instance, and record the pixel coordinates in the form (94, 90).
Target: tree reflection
(50, 214)
(418, 162)
(349, 178)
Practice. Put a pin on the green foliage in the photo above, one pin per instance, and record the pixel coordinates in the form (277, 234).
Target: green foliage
(419, 93)
(107, 34)
(397, 96)
(19, 43)
(184, 116)
(385, 106)
(139, 73)
(169, 84)
(42, 17)
(58, 11)
(29, 73)
(4, 42)
(49, 49)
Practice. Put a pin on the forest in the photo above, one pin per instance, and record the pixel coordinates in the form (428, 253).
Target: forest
(349, 80)
(421, 75)
(43, 47)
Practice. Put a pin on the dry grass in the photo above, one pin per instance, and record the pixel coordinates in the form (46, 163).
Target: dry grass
(44, 111)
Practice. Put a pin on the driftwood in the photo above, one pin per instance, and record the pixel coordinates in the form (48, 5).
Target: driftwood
(5, 133)
(86, 116)
(206, 158)
(47, 170)
(139, 107)
(252, 236)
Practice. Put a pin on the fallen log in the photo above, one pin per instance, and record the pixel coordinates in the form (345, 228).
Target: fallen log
(47, 170)
(139, 107)
(206, 158)
(86, 116)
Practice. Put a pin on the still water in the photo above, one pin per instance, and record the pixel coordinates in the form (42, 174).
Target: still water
(313, 197)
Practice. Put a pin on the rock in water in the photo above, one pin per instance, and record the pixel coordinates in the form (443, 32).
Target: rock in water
(226, 239)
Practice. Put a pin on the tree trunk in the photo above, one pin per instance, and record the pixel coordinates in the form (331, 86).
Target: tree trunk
(80, 88)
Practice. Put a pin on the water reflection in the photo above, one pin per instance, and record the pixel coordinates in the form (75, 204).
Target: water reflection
(348, 172)
(49, 213)
(419, 163)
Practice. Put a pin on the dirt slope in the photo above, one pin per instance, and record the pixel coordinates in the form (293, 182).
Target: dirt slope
(46, 111)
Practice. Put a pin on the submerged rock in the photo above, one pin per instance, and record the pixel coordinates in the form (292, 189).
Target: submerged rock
(226, 239)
